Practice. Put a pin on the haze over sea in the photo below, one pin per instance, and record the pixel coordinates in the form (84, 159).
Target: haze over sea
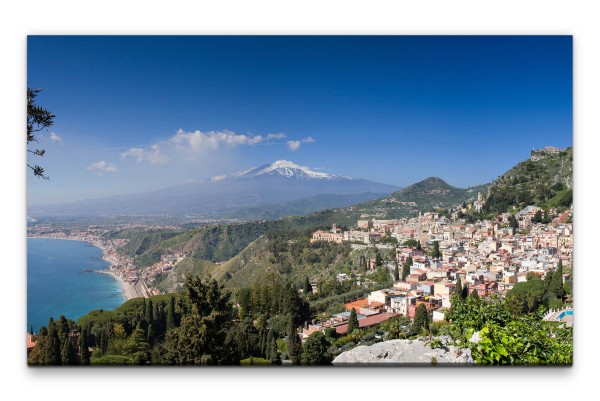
(57, 286)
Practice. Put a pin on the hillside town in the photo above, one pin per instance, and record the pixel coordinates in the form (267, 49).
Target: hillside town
(489, 257)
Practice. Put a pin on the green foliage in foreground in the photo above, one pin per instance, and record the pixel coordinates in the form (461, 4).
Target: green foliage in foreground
(315, 350)
(112, 360)
(253, 361)
(506, 338)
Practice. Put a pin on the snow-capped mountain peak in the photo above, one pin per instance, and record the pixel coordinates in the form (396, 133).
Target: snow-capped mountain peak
(282, 168)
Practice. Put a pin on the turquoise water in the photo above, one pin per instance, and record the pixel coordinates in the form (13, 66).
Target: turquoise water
(56, 286)
(564, 313)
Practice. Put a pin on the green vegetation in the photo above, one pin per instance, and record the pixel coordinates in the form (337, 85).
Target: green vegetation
(431, 193)
(315, 350)
(546, 183)
(421, 317)
(38, 119)
(506, 337)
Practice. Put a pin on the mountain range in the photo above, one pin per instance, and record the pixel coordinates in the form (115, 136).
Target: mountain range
(268, 191)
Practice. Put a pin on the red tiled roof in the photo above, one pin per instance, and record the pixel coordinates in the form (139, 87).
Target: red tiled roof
(359, 303)
(367, 321)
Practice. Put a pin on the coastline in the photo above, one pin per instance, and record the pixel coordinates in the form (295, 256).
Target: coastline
(127, 290)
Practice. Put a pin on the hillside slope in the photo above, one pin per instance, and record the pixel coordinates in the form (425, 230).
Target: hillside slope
(423, 196)
(546, 182)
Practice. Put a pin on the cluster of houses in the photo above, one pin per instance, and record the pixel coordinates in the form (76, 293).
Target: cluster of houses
(489, 257)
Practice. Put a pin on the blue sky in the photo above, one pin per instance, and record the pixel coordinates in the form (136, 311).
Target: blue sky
(140, 113)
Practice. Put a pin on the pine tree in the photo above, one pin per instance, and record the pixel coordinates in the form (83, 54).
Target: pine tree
(458, 289)
(436, 250)
(149, 312)
(52, 351)
(556, 286)
(378, 260)
(474, 294)
(465, 292)
(68, 353)
(171, 317)
(406, 268)
(84, 352)
(293, 344)
(268, 344)
(315, 350)
(150, 335)
(352, 321)
(307, 286)
(512, 222)
(396, 273)
(421, 317)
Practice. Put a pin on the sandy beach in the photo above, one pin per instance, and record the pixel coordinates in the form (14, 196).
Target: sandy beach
(129, 291)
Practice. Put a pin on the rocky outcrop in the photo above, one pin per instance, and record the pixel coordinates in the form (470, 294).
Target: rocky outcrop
(406, 352)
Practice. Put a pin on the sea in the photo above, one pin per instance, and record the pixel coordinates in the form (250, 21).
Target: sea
(57, 284)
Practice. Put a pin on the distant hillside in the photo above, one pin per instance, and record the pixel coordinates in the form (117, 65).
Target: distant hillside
(545, 180)
(217, 243)
(423, 196)
(224, 241)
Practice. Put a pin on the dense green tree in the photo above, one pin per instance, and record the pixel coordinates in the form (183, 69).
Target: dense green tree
(38, 119)
(396, 272)
(205, 320)
(421, 317)
(465, 291)
(68, 356)
(458, 289)
(406, 268)
(525, 297)
(171, 316)
(84, 352)
(378, 260)
(136, 347)
(270, 338)
(532, 276)
(474, 294)
(150, 335)
(307, 286)
(52, 351)
(149, 312)
(352, 321)
(294, 346)
(512, 222)
(315, 350)
(411, 243)
(556, 285)
(436, 254)
(548, 279)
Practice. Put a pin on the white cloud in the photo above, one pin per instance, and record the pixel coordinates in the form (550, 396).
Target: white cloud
(293, 145)
(276, 136)
(152, 155)
(54, 137)
(198, 141)
(102, 167)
